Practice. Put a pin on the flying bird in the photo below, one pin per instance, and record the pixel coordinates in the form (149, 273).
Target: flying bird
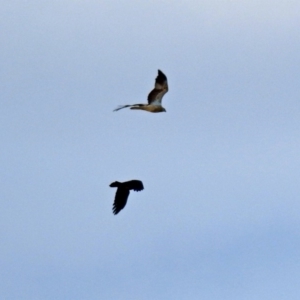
(154, 97)
(123, 191)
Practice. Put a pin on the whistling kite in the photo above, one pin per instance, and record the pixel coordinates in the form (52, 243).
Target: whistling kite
(123, 192)
(154, 97)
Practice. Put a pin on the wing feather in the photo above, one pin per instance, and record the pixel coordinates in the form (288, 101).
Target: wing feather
(120, 199)
(160, 88)
(135, 185)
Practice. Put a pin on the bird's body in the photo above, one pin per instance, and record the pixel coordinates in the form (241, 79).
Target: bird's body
(154, 97)
(123, 191)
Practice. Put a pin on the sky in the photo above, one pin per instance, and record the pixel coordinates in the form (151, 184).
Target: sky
(219, 215)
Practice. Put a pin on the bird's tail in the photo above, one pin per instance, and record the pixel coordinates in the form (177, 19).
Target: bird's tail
(115, 184)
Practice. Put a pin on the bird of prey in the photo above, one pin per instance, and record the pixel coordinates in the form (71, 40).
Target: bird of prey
(123, 191)
(154, 97)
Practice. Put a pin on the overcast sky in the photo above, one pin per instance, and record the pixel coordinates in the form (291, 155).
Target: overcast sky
(219, 216)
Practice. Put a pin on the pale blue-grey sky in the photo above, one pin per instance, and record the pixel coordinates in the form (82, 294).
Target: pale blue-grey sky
(219, 216)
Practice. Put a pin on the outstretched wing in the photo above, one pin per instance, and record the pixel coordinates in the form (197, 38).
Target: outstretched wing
(121, 106)
(160, 88)
(135, 185)
(129, 105)
(120, 199)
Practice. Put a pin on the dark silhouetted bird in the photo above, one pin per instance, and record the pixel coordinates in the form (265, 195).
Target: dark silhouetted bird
(123, 191)
(154, 97)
